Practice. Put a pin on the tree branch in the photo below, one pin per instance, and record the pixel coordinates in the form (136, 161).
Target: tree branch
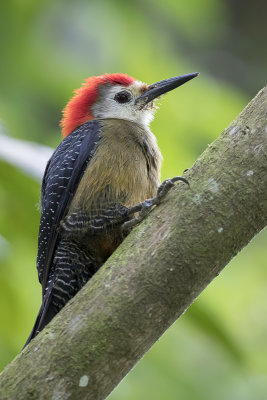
(155, 274)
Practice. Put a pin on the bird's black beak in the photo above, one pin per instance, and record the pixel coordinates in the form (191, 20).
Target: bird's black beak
(157, 89)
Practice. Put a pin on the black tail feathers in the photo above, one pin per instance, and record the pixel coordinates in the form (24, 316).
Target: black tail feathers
(45, 315)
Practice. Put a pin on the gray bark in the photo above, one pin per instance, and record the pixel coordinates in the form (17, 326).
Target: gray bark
(155, 274)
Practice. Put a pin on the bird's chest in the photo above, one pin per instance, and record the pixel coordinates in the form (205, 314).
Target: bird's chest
(125, 168)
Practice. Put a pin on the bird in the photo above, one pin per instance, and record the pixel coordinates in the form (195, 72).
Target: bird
(102, 179)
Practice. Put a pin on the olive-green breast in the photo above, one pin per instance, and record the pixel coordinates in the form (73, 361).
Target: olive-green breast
(125, 168)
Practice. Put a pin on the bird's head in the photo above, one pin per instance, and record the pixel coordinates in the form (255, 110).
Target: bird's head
(116, 96)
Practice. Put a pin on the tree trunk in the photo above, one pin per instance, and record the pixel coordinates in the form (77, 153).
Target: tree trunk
(155, 274)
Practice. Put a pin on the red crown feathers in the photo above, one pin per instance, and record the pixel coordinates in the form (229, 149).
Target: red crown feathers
(78, 109)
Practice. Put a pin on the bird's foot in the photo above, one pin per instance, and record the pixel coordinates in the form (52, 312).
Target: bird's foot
(145, 206)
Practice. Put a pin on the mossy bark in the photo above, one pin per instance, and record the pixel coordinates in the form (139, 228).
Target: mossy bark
(155, 274)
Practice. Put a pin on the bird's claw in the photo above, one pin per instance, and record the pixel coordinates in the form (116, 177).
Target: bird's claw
(168, 184)
(145, 207)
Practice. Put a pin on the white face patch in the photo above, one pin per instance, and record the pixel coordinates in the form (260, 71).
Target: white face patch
(108, 104)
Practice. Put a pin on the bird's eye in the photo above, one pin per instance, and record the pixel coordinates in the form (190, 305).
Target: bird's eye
(123, 97)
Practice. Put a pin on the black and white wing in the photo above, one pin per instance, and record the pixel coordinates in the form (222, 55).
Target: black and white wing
(62, 176)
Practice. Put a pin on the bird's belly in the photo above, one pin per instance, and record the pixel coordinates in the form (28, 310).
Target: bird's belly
(103, 246)
(122, 180)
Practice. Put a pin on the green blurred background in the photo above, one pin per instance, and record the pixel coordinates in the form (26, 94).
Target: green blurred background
(218, 349)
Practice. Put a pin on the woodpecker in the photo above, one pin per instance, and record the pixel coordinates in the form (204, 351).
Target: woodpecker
(101, 180)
